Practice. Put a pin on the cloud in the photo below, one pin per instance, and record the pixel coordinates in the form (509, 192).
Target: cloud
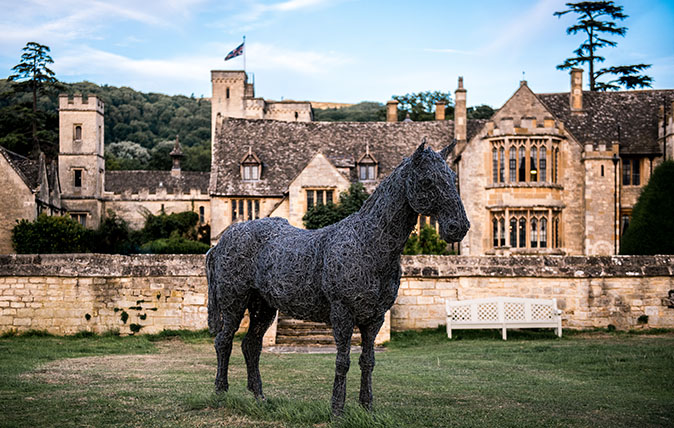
(187, 72)
(524, 26)
(256, 10)
(68, 20)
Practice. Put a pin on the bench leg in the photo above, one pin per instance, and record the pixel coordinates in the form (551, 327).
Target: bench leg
(449, 331)
(503, 333)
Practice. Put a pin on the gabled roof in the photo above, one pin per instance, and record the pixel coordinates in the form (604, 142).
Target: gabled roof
(635, 112)
(27, 169)
(133, 181)
(284, 148)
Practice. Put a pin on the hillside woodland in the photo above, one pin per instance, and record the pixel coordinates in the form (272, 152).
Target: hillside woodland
(140, 128)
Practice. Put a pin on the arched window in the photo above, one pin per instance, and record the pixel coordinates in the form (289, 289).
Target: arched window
(502, 231)
(78, 132)
(513, 232)
(494, 223)
(534, 233)
(533, 164)
(542, 165)
(523, 165)
(494, 165)
(522, 233)
(555, 166)
(513, 163)
(544, 232)
(501, 170)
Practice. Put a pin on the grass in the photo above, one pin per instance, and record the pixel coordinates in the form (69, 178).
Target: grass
(596, 378)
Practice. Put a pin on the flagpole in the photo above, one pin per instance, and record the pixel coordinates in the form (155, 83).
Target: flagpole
(244, 54)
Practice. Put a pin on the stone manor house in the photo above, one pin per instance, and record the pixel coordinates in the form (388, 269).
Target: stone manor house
(546, 174)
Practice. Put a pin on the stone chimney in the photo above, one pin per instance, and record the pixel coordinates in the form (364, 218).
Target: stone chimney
(440, 110)
(176, 154)
(460, 117)
(392, 111)
(576, 96)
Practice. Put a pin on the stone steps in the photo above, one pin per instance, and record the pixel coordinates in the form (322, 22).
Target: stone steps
(293, 332)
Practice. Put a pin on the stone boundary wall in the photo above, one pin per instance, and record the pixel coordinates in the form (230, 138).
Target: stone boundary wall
(65, 294)
(591, 291)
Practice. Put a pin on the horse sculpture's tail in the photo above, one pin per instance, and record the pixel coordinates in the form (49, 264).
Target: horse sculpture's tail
(214, 315)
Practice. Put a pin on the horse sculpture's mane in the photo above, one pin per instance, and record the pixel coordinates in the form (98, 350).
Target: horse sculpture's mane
(346, 274)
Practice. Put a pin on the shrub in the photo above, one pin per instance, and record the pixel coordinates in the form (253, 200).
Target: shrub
(174, 245)
(651, 230)
(165, 225)
(427, 242)
(324, 215)
(113, 236)
(50, 234)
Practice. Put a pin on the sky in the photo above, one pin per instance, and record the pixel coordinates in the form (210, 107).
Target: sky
(326, 50)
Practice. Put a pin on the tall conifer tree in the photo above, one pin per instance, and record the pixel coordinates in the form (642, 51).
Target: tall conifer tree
(596, 19)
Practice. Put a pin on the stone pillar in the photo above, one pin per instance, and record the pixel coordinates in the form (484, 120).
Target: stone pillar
(460, 116)
(392, 111)
(440, 110)
(576, 96)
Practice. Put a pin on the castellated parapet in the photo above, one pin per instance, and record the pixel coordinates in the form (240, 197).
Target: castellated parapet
(79, 103)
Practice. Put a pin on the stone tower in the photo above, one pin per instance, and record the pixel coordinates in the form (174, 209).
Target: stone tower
(229, 90)
(81, 162)
(601, 195)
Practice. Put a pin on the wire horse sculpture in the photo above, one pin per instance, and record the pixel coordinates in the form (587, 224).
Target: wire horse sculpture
(346, 274)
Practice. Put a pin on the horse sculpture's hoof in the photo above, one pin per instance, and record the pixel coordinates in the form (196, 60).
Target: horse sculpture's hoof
(221, 389)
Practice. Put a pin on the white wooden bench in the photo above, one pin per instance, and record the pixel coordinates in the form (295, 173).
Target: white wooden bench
(503, 313)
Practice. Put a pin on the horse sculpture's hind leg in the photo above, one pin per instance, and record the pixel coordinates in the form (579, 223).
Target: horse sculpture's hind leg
(342, 329)
(261, 317)
(368, 332)
(223, 344)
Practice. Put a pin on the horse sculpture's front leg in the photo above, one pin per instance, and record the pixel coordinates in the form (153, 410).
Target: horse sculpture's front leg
(368, 333)
(342, 328)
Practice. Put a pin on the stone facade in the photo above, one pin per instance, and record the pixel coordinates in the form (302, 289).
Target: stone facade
(65, 294)
(27, 188)
(234, 96)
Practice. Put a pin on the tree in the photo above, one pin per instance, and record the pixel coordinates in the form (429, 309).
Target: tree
(596, 18)
(421, 105)
(427, 242)
(321, 215)
(365, 111)
(482, 111)
(53, 234)
(651, 230)
(34, 72)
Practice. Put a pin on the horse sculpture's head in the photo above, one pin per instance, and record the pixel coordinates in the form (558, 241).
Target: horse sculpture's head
(431, 190)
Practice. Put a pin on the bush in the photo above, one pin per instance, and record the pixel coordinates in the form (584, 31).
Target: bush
(651, 230)
(165, 225)
(174, 245)
(113, 236)
(51, 234)
(324, 215)
(427, 242)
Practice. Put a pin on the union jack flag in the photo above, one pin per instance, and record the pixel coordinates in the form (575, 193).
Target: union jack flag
(236, 52)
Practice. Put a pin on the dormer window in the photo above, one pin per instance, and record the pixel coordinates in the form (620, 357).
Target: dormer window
(251, 167)
(367, 166)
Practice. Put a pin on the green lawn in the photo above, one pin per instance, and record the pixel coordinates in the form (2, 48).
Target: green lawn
(590, 379)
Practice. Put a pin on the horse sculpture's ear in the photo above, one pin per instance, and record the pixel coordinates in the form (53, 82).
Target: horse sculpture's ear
(447, 150)
(419, 151)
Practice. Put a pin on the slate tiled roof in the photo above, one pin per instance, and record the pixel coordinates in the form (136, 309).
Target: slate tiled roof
(285, 148)
(27, 169)
(133, 181)
(636, 112)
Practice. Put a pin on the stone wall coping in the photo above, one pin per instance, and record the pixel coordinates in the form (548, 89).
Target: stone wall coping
(537, 266)
(102, 265)
(156, 265)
